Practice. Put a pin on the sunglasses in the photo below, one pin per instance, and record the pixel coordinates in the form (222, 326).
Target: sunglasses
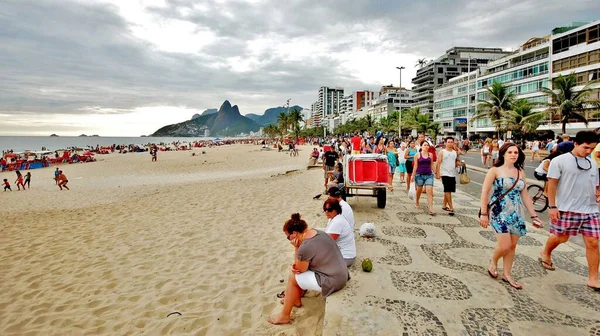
(580, 167)
(327, 210)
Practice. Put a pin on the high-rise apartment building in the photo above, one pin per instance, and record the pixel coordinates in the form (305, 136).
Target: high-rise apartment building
(454, 62)
(573, 49)
(389, 101)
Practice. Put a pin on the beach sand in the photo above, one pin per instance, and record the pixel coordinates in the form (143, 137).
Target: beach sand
(134, 241)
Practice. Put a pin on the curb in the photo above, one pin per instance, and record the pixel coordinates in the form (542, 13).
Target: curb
(483, 170)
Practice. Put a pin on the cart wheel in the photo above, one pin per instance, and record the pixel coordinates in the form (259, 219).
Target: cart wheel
(381, 198)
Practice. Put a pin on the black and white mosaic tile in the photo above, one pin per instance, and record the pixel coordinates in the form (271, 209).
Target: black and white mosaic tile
(430, 285)
(581, 294)
(405, 232)
(416, 320)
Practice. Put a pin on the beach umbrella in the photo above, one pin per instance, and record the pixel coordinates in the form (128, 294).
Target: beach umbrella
(88, 153)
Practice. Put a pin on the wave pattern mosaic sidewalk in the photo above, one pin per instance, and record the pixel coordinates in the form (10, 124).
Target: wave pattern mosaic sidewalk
(429, 278)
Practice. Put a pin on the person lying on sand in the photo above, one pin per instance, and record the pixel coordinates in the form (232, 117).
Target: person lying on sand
(318, 266)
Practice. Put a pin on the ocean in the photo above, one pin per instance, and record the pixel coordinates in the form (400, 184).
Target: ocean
(33, 143)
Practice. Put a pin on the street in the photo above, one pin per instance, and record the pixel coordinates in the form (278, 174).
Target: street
(473, 158)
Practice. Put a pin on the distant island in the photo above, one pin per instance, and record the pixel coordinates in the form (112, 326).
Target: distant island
(53, 135)
(83, 135)
(96, 136)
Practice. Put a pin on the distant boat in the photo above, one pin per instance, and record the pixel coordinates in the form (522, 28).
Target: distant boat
(53, 135)
(83, 135)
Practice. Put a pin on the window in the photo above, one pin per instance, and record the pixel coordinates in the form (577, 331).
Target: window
(593, 34)
(441, 70)
(440, 81)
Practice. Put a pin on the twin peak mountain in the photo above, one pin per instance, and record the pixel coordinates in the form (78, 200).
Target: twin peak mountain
(226, 121)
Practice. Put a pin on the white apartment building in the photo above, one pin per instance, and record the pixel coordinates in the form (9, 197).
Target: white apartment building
(524, 72)
(389, 102)
(577, 49)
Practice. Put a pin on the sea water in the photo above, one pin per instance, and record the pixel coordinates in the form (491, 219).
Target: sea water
(35, 143)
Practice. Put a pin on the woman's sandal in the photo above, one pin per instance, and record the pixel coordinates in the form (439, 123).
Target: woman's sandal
(281, 295)
(512, 284)
(493, 275)
(547, 265)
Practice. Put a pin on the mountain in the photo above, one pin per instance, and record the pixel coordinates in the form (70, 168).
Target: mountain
(210, 111)
(226, 122)
(270, 115)
(253, 117)
(206, 112)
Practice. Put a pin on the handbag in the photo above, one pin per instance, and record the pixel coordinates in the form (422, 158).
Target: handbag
(497, 200)
(464, 177)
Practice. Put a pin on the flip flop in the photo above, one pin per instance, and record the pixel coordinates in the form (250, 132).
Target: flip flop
(513, 285)
(494, 276)
(451, 213)
(546, 265)
(446, 209)
(281, 295)
(595, 289)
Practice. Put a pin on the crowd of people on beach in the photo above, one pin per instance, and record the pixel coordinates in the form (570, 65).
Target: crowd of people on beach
(572, 189)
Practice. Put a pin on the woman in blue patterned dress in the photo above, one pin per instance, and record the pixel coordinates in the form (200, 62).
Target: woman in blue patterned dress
(506, 217)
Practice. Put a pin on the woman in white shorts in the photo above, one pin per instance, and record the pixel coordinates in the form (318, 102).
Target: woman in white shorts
(318, 266)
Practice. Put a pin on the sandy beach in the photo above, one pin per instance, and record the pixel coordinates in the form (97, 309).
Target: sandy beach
(134, 241)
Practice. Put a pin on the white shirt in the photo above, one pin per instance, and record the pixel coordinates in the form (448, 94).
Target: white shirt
(500, 143)
(540, 169)
(339, 225)
(576, 191)
(347, 213)
(448, 166)
(401, 153)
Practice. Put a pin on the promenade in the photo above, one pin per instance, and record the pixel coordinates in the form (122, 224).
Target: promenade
(429, 278)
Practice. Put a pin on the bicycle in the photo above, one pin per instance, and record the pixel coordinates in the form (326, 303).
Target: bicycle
(540, 201)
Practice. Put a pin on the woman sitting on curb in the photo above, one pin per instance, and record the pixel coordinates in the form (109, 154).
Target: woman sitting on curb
(318, 266)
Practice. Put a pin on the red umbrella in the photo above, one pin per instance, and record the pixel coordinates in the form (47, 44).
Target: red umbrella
(10, 155)
(88, 153)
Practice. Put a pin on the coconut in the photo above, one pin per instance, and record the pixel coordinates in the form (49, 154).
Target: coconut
(367, 265)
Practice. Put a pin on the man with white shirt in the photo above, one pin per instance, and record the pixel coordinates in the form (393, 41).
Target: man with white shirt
(336, 194)
(573, 195)
(446, 171)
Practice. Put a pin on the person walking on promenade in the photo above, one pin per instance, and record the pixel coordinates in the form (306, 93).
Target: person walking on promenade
(485, 153)
(401, 169)
(495, 151)
(409, 155)
(446, 171)
(506, 182)
(424, 175)
(62, 180)
(392, 155)
(356, 141)
(535, 150)
(573, 195)
(27, 180)
(19, 180)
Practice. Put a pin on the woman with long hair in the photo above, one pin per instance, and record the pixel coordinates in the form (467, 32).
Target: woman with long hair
(424, 175)
(409, 155)
(503, 197)
(318, 265)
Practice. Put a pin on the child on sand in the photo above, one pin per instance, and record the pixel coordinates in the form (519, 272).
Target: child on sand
(19, 180)
(6, 185)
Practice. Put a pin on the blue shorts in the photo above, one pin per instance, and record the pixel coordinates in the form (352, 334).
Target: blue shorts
(424, 180)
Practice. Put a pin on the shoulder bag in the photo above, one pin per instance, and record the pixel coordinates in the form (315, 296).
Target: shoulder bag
(497, 200)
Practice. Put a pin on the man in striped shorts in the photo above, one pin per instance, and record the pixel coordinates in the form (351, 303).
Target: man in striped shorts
(573, 190)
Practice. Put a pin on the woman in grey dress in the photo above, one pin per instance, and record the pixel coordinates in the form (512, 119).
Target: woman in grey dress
(318, 266)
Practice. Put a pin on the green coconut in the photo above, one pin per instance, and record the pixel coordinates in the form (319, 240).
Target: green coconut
(367, 265)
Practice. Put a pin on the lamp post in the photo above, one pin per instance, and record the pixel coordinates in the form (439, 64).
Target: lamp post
(400, 110)
(469, 93)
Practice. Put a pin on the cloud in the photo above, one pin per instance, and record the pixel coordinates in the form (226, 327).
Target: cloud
(76, 58)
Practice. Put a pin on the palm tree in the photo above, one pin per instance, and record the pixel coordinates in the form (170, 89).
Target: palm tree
(498, 107)
(283, 122)
(271, 130)
(423, 124)
(522, 118)
(421, 62)
(568, 104)
(294, 119)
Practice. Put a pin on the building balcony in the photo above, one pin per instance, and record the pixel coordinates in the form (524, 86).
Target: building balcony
(516, 64)
(423, 94)
(422, 77)
(419, 88)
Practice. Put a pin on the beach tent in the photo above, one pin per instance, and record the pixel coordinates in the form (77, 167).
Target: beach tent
(217, 139)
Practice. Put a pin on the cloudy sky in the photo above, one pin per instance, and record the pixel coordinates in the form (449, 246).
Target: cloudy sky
(128, 67)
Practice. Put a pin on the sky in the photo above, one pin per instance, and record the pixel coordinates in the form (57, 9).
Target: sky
(129, 67)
